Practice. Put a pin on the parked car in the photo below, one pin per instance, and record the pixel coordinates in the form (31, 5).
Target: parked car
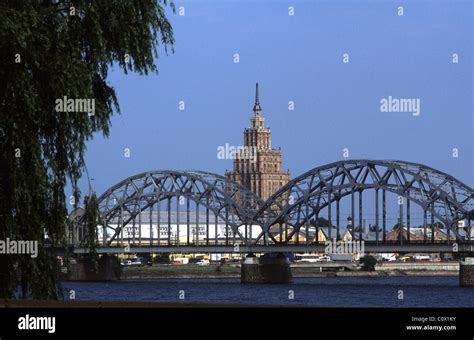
(340, 257)
(389, 257)
(421, 257)
(126, 262)
(137, 262)
(181, 260)
(203, 262)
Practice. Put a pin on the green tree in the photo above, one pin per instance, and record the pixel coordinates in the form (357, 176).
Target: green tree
(163, 258)
(48, 50)
(368, 263)
(91, 219)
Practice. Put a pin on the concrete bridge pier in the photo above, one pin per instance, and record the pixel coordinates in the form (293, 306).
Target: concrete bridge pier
(266, 269)
(466, 272)
(82, 269)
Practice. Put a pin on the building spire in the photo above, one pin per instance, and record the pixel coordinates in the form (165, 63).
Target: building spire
(256, 94)
(256, 107)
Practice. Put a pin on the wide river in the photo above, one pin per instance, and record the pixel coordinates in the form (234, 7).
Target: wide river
(319, 292)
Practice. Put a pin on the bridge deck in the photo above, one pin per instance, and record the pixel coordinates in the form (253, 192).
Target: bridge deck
(369, 248)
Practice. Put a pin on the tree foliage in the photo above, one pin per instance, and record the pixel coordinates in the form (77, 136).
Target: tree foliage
(368, 263)
(91, 219)
(48, 50)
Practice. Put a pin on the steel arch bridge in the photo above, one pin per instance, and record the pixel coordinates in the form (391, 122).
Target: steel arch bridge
(123, 203)
(299, 203)
(205, 210)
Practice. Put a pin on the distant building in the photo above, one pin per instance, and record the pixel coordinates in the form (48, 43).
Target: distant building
(258, 166)
(321, 237)
(418, 234)
(173, 229)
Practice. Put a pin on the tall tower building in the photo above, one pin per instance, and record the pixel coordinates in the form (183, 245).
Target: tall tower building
(258, 166)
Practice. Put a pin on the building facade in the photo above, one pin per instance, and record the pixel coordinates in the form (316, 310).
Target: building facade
(257, 166)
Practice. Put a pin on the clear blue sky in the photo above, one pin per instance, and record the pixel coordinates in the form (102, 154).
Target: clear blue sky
(299, 58)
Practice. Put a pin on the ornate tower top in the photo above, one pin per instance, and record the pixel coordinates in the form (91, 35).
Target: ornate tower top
(256, 107)
(257, 121)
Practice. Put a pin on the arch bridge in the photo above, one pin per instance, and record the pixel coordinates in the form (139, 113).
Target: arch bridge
(375, 201)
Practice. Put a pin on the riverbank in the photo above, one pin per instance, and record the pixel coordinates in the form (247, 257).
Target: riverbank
(299, 271)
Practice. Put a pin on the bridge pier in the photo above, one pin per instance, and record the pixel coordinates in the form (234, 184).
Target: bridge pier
(266, 270)
(466, 272)
(82, 269)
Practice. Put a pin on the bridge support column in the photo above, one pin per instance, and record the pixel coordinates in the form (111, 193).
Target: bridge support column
(466, 272)
(266, 270)
(82, 269)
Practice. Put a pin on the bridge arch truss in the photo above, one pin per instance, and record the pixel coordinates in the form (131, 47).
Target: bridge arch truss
(296, 208)
(164, 207)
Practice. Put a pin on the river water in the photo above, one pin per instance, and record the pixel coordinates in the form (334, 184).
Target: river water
(318, 292)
